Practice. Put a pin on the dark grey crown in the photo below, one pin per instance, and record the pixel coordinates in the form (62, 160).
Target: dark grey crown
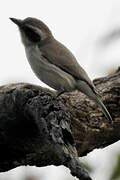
(37, 23)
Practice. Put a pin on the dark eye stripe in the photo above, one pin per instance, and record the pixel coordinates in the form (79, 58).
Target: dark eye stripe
(31, 34)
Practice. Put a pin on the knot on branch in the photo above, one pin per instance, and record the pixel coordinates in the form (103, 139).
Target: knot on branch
(51, 118)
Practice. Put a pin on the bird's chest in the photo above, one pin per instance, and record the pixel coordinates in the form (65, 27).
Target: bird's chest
(35, 60)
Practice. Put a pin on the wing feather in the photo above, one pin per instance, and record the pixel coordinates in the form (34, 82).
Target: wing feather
(57, 54)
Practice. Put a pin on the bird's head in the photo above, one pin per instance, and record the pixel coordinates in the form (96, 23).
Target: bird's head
(32, 30)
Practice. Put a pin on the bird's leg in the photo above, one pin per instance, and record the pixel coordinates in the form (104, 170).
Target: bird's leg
(61, 91)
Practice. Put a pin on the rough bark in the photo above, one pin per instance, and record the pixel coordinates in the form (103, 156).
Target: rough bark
(36, 128)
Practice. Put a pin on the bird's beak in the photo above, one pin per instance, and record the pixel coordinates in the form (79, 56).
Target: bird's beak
(17, 21)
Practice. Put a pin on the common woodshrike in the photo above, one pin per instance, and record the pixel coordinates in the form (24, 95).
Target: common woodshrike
(53, 63)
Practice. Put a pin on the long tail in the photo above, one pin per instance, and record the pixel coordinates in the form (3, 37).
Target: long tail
(87, 90)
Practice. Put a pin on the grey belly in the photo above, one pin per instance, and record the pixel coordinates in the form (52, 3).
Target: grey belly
(50, 74)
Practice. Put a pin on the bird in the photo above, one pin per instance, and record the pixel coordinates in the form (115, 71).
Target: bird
(53, 63)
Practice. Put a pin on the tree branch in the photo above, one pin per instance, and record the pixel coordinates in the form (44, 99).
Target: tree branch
(36, 128)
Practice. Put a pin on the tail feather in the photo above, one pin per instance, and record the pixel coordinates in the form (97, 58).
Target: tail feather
(86, 89)
(104, 109)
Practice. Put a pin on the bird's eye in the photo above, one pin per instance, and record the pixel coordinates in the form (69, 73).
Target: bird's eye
(32, 35)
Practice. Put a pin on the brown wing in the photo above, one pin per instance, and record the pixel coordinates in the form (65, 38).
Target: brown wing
(59, 55)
